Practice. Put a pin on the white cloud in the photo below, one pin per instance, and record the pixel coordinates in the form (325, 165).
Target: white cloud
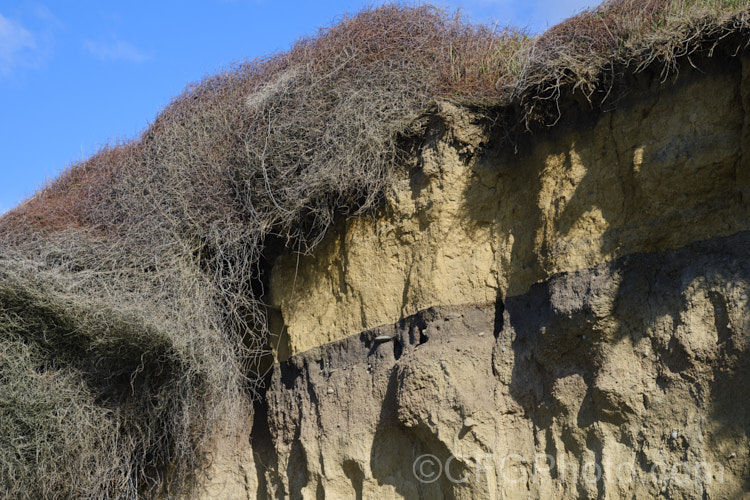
(18, 46)
(117, 50)
(46, 16)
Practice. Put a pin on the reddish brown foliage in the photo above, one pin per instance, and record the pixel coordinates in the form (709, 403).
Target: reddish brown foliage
(604, 29)
(72, 200)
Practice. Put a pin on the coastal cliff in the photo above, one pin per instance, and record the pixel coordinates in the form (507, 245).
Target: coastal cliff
(412, 257)
(566, 320)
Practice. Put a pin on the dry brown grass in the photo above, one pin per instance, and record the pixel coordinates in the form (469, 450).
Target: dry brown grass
(131, 289)
(591, 52)
(69, 200)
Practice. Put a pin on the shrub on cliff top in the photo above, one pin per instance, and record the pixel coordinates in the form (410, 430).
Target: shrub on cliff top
(131, 289)
(590, 52)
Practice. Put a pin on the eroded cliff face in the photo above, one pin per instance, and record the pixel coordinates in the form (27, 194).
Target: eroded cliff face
(568, 319)
(473, 221)
(623, 380)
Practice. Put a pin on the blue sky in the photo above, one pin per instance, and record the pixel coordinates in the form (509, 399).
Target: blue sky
(75, 74)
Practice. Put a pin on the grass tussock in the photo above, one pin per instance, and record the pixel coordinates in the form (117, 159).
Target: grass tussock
(591, 52)
(132, 322)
